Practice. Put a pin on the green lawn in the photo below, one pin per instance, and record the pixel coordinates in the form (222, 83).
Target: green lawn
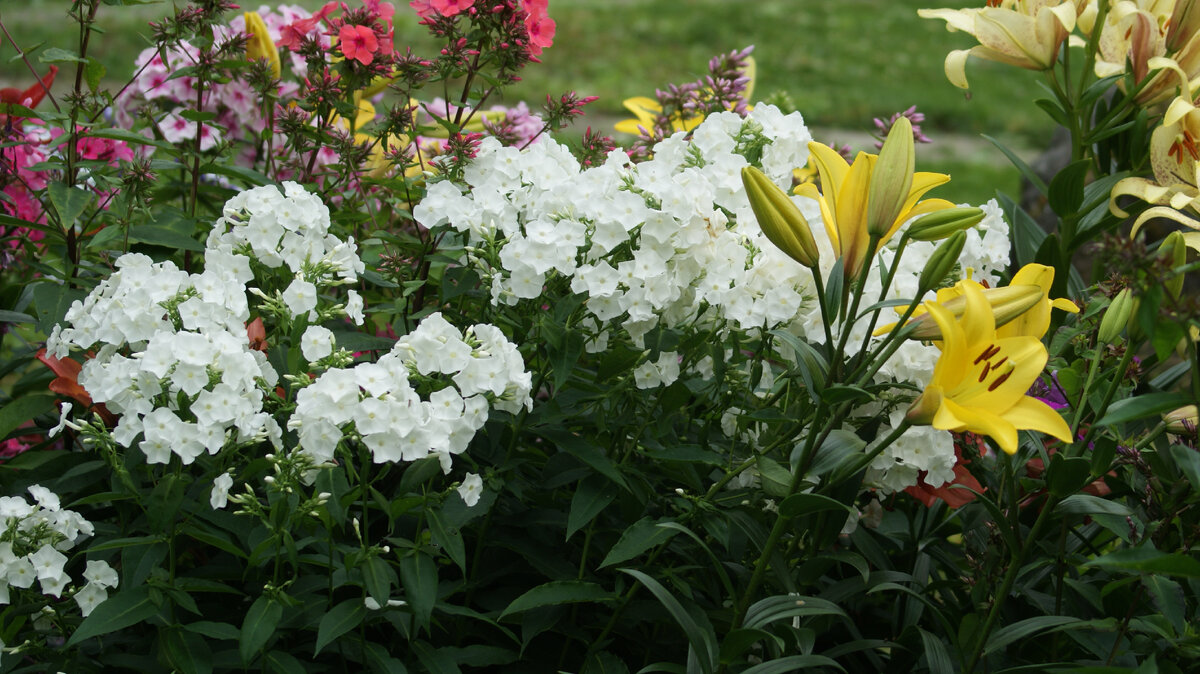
(842, 62)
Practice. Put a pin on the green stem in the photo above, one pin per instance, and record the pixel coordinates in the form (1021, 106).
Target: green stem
(1010, 576)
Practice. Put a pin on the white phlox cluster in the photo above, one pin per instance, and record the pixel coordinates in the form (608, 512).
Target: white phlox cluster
(673, 241)
(920, 449)
(33, 538)
(469, 374)
(147, 355)
(161, 335)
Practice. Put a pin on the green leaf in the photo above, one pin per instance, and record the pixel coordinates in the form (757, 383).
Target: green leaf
(1131, 409)
(449, 538)
(1169, 600)
(124, 609)
(740, 640)
(377, 577)
(355, 341)
(27, 407)
(587, 452)
(161, 236)
(1146, 559)
(52, 302)
(1029, 173)
(94, 72)
(792, 663)
(1086, 504)
(1066, 475)
(187, 651)
(57, 55)
(418, 573)
(776, 480)
(592, 496)
(339, 620)
(435, 660)
(785, 606)
(1188, 461)
(636, 539)
(804, 504)
(1066, 188)
(603, 662)
(261, 621)
(281, 662)
(69, 202)
(14, 317)
(248, 176)
(129, 137)
(936, 655)
(702, 640)
(1040, 625)
(214, 630)
(557, 592)
(1027, 235)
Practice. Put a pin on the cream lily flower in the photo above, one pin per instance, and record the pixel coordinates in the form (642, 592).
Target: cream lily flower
(874, 194)
(980, 382)
(1024, 33)
(1158, 41)
(1175, 158)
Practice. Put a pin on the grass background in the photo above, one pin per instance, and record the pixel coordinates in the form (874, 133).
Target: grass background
(842, 63)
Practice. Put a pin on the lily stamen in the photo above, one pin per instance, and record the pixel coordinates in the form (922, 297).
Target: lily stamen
(1000, 380)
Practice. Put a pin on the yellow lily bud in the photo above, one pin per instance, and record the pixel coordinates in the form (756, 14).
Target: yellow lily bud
(1115, 317)
(260, 45)
(779, 218)
(1007, 302)
(1182, 420)
(941, 262)
(891, 179)
(941, 224)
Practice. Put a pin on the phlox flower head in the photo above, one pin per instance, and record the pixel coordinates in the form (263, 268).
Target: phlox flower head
(358, 43)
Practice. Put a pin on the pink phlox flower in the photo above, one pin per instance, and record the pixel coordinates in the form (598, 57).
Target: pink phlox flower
(358, 43)
(540, 26)
(427, 8)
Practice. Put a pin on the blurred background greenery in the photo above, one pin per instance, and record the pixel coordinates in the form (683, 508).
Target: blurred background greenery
(841, 63)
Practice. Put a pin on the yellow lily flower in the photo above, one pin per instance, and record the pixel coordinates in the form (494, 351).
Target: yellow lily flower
(260, 45)
(1175, 158)
(847, 190)
(981, 379)
(1023, 33)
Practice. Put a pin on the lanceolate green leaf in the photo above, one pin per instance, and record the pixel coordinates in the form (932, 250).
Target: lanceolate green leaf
(121, 610)
(260, 623)
(636, 539)
(339, 620)
(557, 592)
(702, 640)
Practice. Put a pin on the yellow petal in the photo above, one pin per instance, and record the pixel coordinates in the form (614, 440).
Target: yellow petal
(1034, 415)
(954, 417)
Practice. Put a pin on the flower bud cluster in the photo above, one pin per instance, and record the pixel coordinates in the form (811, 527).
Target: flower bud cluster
(33, 537)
